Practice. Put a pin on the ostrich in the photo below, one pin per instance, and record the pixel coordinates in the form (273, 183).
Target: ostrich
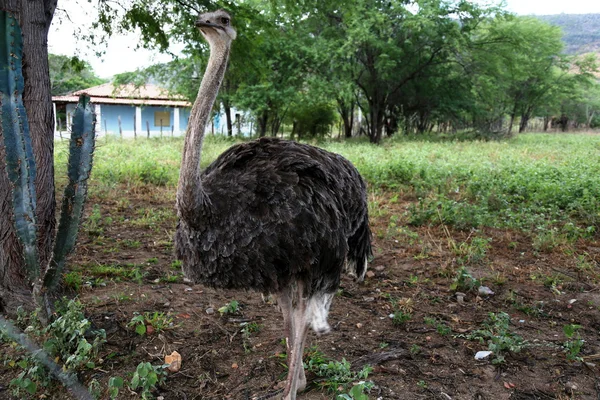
(270, 215)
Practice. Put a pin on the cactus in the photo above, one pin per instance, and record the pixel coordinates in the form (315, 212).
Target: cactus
(81, 150)
(21, 168)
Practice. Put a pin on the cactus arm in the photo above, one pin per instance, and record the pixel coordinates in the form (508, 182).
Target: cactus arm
(81, 151)
(20, 162)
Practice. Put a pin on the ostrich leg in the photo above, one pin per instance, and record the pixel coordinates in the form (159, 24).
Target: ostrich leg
(285, 302)
(298, 329)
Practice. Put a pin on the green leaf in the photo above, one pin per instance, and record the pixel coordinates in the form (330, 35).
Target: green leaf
(115, 381)
(140, 329)
(29, 386)
(135, 381)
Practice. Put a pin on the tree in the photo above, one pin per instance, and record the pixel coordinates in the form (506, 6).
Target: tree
(34, 18)
(68, 74)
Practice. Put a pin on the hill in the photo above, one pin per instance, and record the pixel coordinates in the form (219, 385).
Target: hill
(581, 31)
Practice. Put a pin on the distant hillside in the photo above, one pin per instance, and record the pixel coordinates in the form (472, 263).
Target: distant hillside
(581, 31)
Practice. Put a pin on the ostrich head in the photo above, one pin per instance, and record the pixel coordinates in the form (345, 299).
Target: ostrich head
(216, 27)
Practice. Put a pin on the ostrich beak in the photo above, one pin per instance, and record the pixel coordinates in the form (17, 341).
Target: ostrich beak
(206, 24)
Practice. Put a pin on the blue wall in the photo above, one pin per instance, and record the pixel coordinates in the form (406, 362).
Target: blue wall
(110, 114)
(184, 115)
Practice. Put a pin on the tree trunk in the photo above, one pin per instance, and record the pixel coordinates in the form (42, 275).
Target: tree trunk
(376, 123)
(262, 123)
(227, 108)
(346, 110)
(525, 119)
(34, 18)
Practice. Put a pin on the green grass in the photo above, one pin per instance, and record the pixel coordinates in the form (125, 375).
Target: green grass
(547, 184)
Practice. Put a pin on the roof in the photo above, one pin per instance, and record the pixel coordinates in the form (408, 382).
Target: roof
(129, 94)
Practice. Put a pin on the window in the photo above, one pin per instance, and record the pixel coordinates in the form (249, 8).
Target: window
(162, 118)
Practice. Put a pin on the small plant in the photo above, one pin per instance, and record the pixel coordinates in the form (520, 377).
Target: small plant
(65, 341)
(146, 378)
(422, 384)
(498, 336)
(93, 225)
(464, 281)
(114, 384)
(475, 251)
(415, 349)
(572, 347)
(403, 309)
(400, 318)
(131, 244)
(233, 307)
(336, 375)
(248, 328)
(440, 326)
(357, 392)
(159, 321)
(73, 280)
(548, 239)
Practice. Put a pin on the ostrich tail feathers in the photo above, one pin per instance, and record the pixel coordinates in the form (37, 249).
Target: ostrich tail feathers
(360, 250)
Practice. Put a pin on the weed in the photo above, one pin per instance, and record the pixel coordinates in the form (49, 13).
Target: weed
(422, 384)
(146, 378)
(336, 374)
(400, 318)
(402, 310)
(73, 280)
(464, 281)
(131, 244)
(357, 392)
(415, 349)
(95, 389)
(233, 307)
(248, 328)
(547, 239)
(93, 224)
(114, 384)
(65, 340)
(158, 320)
(572, 346)
(126, 272)
(498, 336)
(472, 252)
(440, 327)
(173, 278)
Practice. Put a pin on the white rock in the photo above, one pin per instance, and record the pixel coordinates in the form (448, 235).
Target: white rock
(481, 355)
(485, 291)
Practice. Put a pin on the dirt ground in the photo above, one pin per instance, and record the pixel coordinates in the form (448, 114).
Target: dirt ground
(426, 357)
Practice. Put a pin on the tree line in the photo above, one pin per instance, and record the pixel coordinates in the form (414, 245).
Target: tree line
(408, 67)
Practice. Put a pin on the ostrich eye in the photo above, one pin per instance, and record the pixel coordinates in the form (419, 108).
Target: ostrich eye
(225, 21)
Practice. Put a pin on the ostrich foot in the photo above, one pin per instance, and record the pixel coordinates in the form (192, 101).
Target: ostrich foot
(276, 395)
(300, 385)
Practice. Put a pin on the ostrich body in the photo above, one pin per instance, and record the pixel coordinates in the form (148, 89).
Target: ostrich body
(270, 215)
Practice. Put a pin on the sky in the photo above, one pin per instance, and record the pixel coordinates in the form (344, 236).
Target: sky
(120, 53)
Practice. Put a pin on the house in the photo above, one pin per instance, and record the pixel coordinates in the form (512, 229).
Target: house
(128, 110)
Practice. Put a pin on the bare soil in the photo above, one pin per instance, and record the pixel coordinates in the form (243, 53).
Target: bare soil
(414, 360)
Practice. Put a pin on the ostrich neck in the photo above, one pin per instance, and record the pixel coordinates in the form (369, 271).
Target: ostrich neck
(190, 195)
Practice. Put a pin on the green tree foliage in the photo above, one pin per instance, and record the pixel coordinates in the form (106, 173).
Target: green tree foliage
(409, 66)
(68, 74)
